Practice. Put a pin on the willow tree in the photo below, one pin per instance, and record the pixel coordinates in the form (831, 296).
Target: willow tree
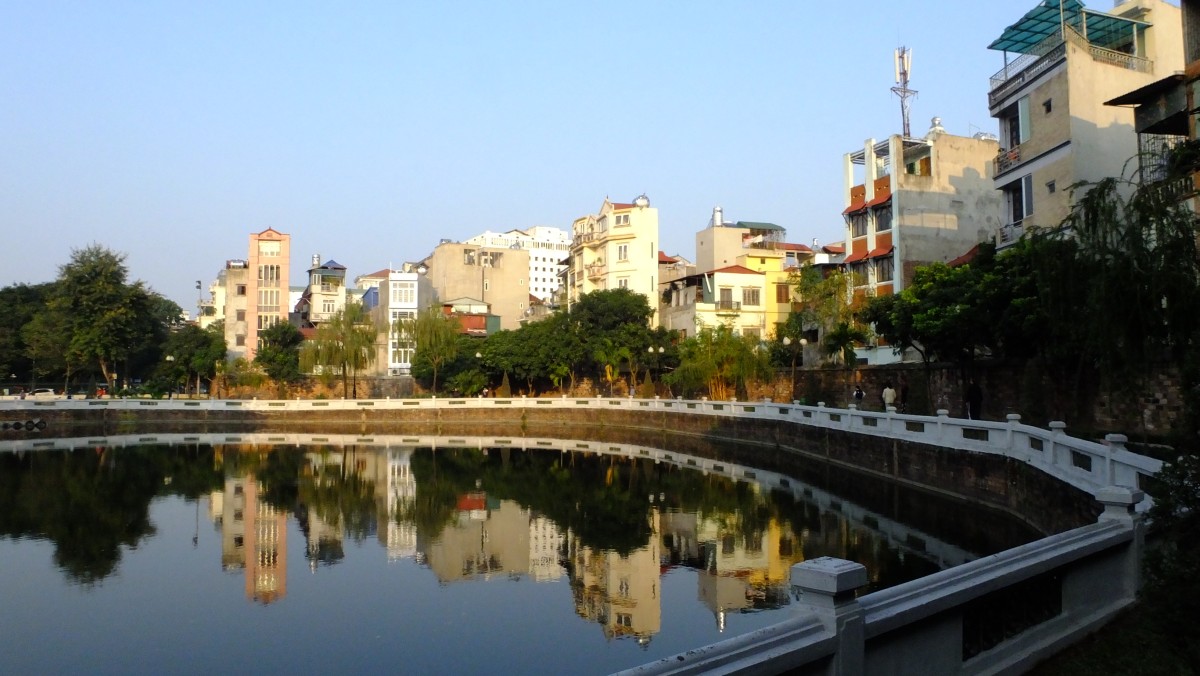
(436, 337)
(826, 302)
(343, 345)
(720, 362)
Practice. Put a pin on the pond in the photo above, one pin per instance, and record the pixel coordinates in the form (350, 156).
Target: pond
(420, 557)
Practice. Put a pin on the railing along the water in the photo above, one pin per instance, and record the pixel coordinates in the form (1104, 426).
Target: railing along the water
(1084, 464)
(998, 614)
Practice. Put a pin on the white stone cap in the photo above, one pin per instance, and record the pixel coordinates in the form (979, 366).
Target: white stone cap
(827, 575)
(1119, 495)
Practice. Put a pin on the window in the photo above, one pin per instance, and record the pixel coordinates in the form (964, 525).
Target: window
(268, 248)
(783, 293)
(241, 315)
(885, 268)
(404, 293)
(241, 290)
(750, 297)
(239, 340)
(621, 219)
(883, 219)
(1051, 187)
(268, 275)
(267, 321)
(1014, 124)
(1047, 106)
(1019, 199)
(268, 301)
(622, 252)
(622, 282)
(752, 332)
(328, 307)
(858, 224)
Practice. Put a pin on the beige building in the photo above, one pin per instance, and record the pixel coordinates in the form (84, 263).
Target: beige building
(916, 201)
(733, 296)
(548, 248)
(1062, 63)
(497, 278)
(616, 248)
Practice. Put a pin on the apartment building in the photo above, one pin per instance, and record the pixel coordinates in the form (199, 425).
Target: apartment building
(494, 277)
(1062, 63)
(747, 265)
(615, 248)
(916, 201)
(734, 296)
(548, 247)
(390, 296)
(265, 289)
(325, 294)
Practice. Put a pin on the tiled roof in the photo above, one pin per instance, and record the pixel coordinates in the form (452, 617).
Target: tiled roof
(737, 270)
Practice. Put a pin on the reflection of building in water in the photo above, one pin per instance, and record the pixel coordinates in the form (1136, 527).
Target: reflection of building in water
(742, 569)
(545, 547)
(398, 535)
(619, 592)
(253, 538)
(490, 537)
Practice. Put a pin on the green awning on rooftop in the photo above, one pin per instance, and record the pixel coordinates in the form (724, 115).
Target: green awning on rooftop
(752, 225)
(1047, 19)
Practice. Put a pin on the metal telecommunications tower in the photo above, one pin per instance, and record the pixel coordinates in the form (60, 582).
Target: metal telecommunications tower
(903, 68)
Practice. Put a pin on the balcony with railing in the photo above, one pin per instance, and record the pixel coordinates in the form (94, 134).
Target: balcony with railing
(1049, 53)
(1009, 234)
(596, 271)
(727, 307)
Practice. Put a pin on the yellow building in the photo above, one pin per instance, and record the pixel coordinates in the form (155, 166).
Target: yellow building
(616, 248)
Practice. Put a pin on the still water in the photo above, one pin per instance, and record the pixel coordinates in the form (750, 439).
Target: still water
(209, 558)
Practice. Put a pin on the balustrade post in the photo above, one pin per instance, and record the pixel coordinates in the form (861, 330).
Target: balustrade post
(827, 587)
(1114, 442)
(1120, 504)
(1057, 428)
(942, 416)
(1010, 437)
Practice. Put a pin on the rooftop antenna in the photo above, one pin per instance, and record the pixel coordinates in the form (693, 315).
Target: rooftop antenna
(903, 68)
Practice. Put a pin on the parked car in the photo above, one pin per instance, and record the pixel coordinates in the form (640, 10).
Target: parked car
(43, 393)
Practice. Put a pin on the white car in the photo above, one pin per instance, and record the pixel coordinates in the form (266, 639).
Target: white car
(43, 393)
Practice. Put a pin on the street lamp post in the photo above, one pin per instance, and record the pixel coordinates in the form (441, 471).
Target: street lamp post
(656, 354)
(799, 349)
(170, 374)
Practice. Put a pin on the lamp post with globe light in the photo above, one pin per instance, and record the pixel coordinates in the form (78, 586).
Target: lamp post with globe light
(798, 350)
(656, 353)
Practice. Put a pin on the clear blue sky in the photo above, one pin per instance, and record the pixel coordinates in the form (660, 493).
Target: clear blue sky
(169, 131)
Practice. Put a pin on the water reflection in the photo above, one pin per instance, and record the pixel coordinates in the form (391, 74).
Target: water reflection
(611, 527)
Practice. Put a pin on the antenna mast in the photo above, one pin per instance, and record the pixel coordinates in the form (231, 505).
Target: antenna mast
(903, 68)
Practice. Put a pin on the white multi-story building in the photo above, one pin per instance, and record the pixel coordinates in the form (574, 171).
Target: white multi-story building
(548, 247)
(392, 295)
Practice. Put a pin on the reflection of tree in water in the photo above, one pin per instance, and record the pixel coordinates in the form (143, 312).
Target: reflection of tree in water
(90, 503)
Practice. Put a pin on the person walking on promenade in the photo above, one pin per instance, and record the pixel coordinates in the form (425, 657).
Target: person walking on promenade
(889, 396)
(974, 400)
(858, 395)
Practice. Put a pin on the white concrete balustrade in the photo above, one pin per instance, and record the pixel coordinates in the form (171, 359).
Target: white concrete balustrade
(998, 614)
(1084, 464)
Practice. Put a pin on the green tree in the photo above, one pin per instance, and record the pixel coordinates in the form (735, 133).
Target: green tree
(343, 345)
(827, 305)
(279, 352)
(21, 304)
(719, 362)
(436, 337)
(108, 319)
(195, 353)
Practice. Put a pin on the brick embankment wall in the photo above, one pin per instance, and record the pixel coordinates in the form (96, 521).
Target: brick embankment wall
(873, 470)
